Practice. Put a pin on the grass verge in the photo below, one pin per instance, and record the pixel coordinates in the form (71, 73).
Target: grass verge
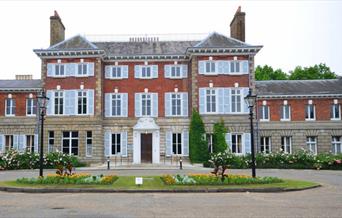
(155, 183)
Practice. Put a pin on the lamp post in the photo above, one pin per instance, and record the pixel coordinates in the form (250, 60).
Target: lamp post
(250, 101)
(42, 102)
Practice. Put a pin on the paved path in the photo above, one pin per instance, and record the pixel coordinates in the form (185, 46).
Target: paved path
(321, 202)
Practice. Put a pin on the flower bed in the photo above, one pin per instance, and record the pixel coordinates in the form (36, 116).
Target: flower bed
(280, 160)
(209, 179)
(13, 160)
(85, 179)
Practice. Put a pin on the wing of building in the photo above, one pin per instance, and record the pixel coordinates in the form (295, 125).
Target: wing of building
(132, 99)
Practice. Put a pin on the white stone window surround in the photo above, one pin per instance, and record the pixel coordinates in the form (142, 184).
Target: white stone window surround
(335, 111)
(228, 67)
(69, 100)
(266, 144)
(116, 72)
(10, 107)
(311, 144)
(63, 70)
(284, 111)
(31, 107)
(310, 111)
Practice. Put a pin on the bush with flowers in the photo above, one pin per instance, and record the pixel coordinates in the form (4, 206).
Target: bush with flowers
(79, 178)
(300, 159)
(13, 160)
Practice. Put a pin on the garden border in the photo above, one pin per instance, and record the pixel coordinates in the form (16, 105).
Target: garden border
(204, 190)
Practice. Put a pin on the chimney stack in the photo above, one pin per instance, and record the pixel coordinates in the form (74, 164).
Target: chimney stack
(237, 26)
(57, 29)
(23, 77)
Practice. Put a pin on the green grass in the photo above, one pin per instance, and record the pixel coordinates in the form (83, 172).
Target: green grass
(155, 183)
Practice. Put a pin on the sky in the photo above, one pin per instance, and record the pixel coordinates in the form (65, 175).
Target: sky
(293, 33)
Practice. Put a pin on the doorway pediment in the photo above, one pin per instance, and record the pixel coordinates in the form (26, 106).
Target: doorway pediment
(146, 124)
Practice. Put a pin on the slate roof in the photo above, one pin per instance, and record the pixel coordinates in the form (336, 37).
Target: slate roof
(77, 42)
(216, 40)
(299, 87)
(20, 84)
(116, 48)
(145, 48)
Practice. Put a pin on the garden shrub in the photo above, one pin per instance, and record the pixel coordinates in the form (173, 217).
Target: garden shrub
(219, 140)
(198, 145)
(13, 160)
(279, 160)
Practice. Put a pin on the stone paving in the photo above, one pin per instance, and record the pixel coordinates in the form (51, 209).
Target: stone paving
(320, 202)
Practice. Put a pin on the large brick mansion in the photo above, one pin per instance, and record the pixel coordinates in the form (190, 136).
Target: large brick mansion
(134, 99)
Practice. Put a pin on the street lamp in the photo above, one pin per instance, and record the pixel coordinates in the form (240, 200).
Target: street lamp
(250, 101)
(42, 103)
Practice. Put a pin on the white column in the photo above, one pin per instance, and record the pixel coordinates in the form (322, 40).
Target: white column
(155, 147)
(136, 148)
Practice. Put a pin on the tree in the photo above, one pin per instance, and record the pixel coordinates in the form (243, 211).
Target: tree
(267, 73)
(198, 145)
(320, 71)
(219, 141)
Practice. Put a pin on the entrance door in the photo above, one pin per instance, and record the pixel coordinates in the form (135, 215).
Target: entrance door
(146, 148)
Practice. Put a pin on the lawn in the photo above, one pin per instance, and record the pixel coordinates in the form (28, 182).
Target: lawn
(155, 183)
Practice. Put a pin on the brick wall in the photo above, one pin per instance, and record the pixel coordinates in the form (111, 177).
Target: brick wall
(159, 85)
(322, 107)
(20, 102)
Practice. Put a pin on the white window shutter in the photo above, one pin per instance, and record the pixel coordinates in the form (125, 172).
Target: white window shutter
(185, 104)
(124, 144)
(219, 65)
(51, 102)
(201, 100)
(201, 67)
(167, 71)
(137, 104)
(91, 69)
(220, 93)
(108, 74)
(154, 71)
(184, 71)
(244, 67)
(70, 101)
(90, 102)
(21, 143)
(168, 104)
(36, 140)
(247, 143)
(226, 100)
(108, 108)
(245, 106)
(185, 141)
(226, 67)
(16, 142)
(2, 143)
(154, 104)
(70, 69)
(50, 70)
(137, 71)
(168, 143)
(125, 71)
(107, 142)
(229, 140)
(124, 104)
